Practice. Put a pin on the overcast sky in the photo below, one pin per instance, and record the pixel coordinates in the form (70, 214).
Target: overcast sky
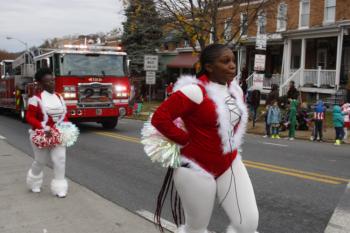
(33, 21)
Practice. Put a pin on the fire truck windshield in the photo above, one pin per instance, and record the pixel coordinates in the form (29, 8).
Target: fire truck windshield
(92, 64)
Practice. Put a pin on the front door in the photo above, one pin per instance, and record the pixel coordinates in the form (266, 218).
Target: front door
(322, 58)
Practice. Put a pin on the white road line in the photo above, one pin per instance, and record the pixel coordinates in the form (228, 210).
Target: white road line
(2, 137)
(274, 144)
(165, 223)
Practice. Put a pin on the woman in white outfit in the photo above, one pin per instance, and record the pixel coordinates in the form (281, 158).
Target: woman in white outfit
(45, 110)
(214, 114)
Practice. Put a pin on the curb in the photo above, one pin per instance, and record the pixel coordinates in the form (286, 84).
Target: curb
(340, 220)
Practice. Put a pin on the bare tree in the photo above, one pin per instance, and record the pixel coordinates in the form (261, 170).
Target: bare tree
(205, 21)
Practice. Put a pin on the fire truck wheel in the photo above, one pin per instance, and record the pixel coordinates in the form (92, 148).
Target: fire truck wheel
(22, 113)
(109, 124)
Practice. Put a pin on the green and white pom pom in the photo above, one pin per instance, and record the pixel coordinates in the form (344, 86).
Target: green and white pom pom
(69, 133)
(159, 148)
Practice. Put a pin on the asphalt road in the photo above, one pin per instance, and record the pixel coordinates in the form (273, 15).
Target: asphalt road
(297, 183)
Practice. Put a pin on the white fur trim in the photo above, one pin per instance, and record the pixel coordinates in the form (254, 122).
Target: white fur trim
(33, 101)
(184, 81)
(218, 94)
(193, 92)
(196, 167)
(229, 143)
(59, 187)
(34, 181)
(181, 229)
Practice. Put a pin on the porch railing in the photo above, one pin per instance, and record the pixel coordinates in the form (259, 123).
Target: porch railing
(275, 79)
(250, 81)
(318, 78)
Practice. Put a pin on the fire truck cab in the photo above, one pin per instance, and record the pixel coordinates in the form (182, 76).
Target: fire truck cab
(93, 80)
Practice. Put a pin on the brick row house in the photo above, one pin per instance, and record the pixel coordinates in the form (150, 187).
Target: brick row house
(308, 42)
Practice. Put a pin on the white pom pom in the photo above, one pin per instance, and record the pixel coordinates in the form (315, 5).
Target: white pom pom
(69, 132)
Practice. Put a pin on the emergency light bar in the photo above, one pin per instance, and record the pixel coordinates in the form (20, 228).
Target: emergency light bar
(92, 47)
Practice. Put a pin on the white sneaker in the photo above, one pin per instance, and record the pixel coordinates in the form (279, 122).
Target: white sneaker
(36, 190)
(59, 188)
(265, 136)
(34, 182)
(291, 139)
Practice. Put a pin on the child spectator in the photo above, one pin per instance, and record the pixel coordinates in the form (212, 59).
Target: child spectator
(292, 118)
(274, 119)
(345, 108)
(338, 123)
(319, 117)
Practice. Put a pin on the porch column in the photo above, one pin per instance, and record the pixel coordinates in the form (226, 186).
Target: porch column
(288, 58)
(339, 55)
(239, 60)
(302, 61)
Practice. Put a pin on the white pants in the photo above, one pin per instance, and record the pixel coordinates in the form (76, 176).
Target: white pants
(345, 134)
(59, 185)
(235, 194)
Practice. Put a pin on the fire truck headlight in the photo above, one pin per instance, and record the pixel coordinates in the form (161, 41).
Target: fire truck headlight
(119, 88)
(69, 88)
(69, 95)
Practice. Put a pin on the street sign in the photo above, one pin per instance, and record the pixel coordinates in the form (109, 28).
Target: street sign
(151, 62)
(258, 81)
(150, 77)
(261, 41)
(259, 62)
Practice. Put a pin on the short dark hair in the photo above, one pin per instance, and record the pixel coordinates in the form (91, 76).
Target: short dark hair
(41, 73)
(209, 54)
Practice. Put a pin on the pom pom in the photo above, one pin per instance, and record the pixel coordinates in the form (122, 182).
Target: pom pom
(46, 139)
(159, 148)
(69, 133)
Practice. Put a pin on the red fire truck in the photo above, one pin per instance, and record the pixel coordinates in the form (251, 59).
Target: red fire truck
(93, 80)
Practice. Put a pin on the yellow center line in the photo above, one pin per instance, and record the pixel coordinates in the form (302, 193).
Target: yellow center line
(258, 165)
(129, 139)
(295, 170)
(295, 174)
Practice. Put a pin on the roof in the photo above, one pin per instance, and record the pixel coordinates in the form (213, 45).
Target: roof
(183, 60)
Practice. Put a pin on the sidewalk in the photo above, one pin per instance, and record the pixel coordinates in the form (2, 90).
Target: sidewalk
(259, 129)
(340, 221)
(82, 211)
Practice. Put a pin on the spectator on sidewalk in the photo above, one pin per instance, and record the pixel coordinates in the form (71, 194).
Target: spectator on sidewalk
(292, 91)
(45, 111)
(254, 104)
(274, 119)
(319, 118)
(346, 110)
(292, 119)
(272, 96)
(169, 89)
(338, 123)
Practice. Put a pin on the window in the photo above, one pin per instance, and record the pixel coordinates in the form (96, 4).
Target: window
(92, 64)
(282, 17)
(329, 11)
(228, 29)
(261, 22)
(304, 13)
(244, 24)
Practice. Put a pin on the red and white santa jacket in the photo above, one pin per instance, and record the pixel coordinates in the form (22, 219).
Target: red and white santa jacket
(45, 110)
(215, 117)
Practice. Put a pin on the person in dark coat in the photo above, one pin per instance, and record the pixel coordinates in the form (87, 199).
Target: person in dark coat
(292, 91)
(254, 104)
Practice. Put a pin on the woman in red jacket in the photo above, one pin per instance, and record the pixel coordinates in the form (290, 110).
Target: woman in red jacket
(214, 114)
(45, 110)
